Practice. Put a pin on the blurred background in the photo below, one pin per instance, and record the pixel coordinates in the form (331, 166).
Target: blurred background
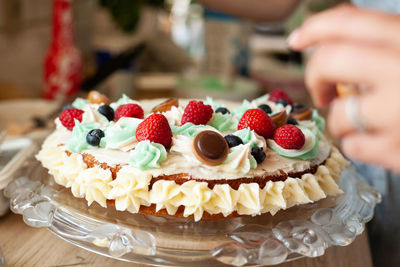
(58, 49)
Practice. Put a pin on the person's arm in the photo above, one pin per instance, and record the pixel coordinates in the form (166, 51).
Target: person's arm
(257, 10)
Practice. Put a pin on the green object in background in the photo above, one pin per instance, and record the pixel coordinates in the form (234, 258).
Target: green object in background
(213, 83)
(126, 13)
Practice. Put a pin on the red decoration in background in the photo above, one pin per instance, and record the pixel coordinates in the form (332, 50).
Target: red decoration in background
(63, 62)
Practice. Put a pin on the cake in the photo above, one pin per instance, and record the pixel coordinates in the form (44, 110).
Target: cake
(200, 159)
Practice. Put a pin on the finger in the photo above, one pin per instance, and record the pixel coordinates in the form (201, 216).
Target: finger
(348, 63)
(340, 123)
(348, 22)
(371, 148)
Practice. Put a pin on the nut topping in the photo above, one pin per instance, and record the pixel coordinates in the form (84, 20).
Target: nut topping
(166, 105)
(280, 118)
(95, 97)
(302, 114)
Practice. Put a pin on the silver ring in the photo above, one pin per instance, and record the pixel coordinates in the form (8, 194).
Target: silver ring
(353, 113)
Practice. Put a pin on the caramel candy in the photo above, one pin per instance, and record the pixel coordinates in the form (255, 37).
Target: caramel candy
(166, 105)
(302, 114)
(210, 148)
(95, 97)
(279, 119)
(344, 90)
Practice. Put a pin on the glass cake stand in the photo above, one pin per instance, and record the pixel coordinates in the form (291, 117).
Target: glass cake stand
(302, 231)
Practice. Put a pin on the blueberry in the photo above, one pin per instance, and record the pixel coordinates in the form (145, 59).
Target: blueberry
(292, 120)
(94, 136)
(267, 109)
(298, 107)
(258, 154)
(233, 140)
(107, 111)
(67, 107)
(222, 110)
(283, 102)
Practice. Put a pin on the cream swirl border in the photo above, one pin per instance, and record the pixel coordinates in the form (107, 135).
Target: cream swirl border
(130, 189)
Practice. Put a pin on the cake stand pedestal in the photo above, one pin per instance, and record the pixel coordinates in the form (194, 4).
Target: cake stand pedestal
(26, 246)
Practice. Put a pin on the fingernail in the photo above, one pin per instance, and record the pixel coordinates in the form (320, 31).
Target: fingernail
(293, 38)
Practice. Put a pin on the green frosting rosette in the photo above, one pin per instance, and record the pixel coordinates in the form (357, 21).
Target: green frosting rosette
(147, 155)
(249, 136)
(235, 159)
(189, 129)
(309, 150)
(223, 122)
(124, 99)
(238, 112)
(121, 133)
(262, 99)
(77, 142)
(210, 101)
(80, 103)
(319, 121)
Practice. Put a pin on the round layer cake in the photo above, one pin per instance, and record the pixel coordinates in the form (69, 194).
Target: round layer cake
(200, 159)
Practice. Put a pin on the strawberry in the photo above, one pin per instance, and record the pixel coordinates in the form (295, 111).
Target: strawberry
(156, 129)
(197, 113)
(129, 110)
(289, 137)
(258, 121)
(68, 115)
(277, 94)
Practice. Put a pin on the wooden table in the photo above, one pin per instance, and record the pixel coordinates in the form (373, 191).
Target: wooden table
(26, 246)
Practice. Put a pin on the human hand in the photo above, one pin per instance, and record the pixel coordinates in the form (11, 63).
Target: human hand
(356, 46)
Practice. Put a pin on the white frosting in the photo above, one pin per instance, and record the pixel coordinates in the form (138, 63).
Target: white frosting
(130, 189)
(166, 195)
(91, 114)
(276, 108)
(255, 139)
(72, 167)
(250, 200)
(238, 161)
(93, 184)
(273, 197)
(124, 144)
(223, 200)
(174, 115)
(195, 197)
(181, 159)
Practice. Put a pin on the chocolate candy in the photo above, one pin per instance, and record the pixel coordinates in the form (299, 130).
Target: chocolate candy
(302, 114)
(280, 118)
(210, 148)
(166, 105)
(95, 97)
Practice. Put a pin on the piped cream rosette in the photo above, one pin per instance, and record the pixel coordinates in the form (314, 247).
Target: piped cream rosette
(130, 189)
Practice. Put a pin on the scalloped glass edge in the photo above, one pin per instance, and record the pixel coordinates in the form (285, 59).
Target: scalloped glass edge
(241, 242)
